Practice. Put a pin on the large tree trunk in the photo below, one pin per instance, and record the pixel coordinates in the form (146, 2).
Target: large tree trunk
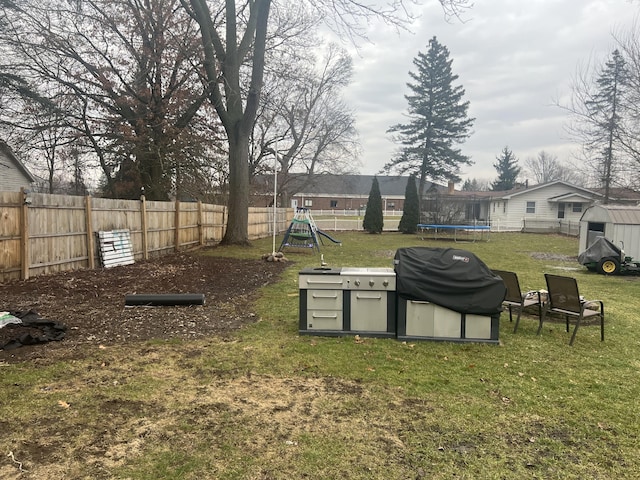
(223, 60)
(238, 217)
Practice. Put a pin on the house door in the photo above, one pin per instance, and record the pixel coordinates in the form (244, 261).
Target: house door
(294, 203)
(561, 207)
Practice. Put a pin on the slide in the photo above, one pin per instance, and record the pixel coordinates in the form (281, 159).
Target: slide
(329, 237)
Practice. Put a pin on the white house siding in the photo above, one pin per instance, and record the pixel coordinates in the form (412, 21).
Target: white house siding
(11, 178)
(499, 210)
(516, 206)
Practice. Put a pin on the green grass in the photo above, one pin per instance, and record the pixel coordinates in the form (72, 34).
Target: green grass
(271, 404)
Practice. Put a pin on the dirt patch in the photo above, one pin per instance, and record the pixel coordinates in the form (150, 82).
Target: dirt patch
(91, 302)
(553, 256)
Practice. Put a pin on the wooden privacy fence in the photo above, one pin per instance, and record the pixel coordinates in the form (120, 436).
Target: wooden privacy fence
(41, 233)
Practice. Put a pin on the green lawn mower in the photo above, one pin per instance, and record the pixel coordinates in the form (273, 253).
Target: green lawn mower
(604, 257)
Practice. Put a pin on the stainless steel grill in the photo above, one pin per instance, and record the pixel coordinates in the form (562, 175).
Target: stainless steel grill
(348, 301)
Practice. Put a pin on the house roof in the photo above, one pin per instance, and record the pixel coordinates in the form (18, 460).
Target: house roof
(519, 191)
(570, 197)
(11, 156)
(620, 194)
(357, 185)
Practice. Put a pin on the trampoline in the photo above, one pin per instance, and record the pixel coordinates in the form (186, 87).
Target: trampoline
(467, 233)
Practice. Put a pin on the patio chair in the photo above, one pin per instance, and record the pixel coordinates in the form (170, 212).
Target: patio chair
(516, 299)
(565, 299)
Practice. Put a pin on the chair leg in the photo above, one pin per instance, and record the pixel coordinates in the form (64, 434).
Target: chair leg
(575, 330)
(544, 314)
(515, 329)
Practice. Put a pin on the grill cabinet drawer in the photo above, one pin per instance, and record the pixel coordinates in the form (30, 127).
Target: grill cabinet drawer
(329, 320)
(324, 299)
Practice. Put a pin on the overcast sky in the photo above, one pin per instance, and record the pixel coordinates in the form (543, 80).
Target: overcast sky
(514, 58)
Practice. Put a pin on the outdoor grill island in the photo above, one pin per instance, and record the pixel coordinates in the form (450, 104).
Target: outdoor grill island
(431, 294)
(446, 294)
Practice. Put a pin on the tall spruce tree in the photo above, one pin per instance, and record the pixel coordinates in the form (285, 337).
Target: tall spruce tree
(604, 111)
(438, 121)
(508, 171)
(373, 219)
(411, 211)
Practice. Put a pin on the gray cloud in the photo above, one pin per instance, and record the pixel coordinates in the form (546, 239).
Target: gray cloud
(514, 59)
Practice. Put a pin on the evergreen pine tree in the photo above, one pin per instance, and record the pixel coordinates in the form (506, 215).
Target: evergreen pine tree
(508, 171)
(605, 108)
(411, 213)
(470, 185)
(438, 121)
(373, 219)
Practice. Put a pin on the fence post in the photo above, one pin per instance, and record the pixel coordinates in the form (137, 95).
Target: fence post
(89, 222)
(224, 221)
(24, 236)
(143, 221)
(176, 238)
(200, 226)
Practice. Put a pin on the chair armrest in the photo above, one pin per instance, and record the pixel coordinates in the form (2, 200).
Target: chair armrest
(588, 303)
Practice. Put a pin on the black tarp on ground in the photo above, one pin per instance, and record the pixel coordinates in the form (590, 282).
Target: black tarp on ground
(449, 277)
(599, 249)
(31, 330)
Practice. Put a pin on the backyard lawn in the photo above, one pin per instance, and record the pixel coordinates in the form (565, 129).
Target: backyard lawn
(267, 403)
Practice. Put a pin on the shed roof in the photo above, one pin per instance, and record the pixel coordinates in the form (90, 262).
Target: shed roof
(620, 214)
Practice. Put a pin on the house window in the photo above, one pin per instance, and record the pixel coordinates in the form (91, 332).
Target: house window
(308, 202)
(531, 207)
(577, 208)
(504, 207)
(391, 205)
(334, 203)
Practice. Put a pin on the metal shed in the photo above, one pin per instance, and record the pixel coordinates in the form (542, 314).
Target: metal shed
(618, 223)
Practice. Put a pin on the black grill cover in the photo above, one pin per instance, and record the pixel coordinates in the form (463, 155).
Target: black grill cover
(452, 278)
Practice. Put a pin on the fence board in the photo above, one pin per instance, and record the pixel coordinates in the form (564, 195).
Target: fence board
(10, 238)
(57, 233)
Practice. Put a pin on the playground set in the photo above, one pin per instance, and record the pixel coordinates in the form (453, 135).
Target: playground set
(304, 233)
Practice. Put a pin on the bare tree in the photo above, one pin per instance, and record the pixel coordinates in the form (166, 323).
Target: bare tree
(546, 168)
(132, 65)
(234, 36)
(313, 128)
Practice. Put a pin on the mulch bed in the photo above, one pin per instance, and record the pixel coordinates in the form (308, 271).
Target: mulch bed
(90, 303)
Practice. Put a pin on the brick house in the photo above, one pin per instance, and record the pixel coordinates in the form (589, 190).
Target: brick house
(350, 192)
